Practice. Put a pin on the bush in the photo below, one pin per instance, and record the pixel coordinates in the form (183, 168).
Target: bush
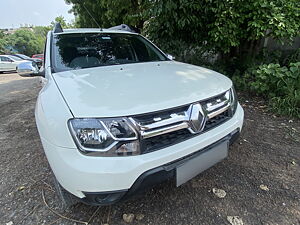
(279, 84)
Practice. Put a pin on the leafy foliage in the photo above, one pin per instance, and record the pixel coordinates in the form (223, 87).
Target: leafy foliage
(28, 40)
(176, 25)
(62, 21)
(107, 13)
(279, 84)
(233, 28)
(3, 41)
(273, 80)
(25, 41)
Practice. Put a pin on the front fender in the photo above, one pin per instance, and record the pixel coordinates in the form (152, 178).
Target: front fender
(52, 115)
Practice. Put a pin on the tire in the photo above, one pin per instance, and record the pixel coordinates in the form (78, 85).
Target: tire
(67, 200)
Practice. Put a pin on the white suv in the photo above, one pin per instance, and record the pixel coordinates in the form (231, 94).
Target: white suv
(117, 115)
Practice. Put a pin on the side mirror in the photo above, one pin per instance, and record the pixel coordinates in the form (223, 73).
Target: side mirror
(170, 57)
(41, 72)
(27, 68)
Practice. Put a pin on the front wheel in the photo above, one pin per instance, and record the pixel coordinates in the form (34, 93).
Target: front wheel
(66, 199)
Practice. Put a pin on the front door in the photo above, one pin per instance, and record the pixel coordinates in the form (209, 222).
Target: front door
(6, 64)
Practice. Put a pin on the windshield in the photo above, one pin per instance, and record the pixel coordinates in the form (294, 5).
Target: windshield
(15, 58)
(85, 50)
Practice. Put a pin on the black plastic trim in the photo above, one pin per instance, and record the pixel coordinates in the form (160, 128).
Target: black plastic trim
(57, 28)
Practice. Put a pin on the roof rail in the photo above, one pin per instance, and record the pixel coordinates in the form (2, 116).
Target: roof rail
(122, 27)
(57, 28)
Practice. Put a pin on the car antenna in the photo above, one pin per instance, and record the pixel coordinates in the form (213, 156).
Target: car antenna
(92, 17)
(57, 28)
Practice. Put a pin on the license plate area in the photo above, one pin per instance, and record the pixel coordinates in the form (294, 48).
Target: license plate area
(198, 164)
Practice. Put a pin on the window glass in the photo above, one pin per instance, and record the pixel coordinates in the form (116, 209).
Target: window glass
(85, 50)
(15, 58)
(5, 59)
(23, 56)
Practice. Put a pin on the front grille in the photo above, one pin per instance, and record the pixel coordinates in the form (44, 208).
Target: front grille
(166, 140)
(217, 120)
(162, 129)
(148, 118)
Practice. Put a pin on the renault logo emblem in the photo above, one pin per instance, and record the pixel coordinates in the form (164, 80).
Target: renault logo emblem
(197, 118)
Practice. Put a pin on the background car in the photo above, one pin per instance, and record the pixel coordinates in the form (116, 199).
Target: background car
(39, 62)
(10, 63)
(38, 56)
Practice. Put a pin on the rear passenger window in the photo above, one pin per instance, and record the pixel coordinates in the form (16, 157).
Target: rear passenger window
(4, 59)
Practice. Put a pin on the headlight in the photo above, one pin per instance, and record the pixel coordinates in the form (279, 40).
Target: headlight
(105, 137)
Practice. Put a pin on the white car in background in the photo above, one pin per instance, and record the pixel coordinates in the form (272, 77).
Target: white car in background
(10, 63)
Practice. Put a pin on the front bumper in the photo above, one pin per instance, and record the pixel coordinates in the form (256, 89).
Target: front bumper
(150, 178)
(89, 177)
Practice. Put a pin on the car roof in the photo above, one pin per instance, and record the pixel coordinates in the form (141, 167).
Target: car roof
(93, 30)
(10, 56)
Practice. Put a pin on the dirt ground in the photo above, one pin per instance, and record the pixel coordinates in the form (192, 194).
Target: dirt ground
(261, 176)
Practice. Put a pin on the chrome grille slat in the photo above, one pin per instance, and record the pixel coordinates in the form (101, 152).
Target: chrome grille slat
(219, 111)
(165, 122)
(164, 130)
(189, 120)
(217, 102)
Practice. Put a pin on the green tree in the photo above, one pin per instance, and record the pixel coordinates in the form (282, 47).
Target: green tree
(63, 23)
(232, 27)
(41, 31)
(107, 13)
(3, 42)
(26, 42)
(2, 34)
(29, 40)
(61, 20)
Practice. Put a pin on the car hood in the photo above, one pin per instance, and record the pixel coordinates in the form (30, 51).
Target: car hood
(123, 90)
